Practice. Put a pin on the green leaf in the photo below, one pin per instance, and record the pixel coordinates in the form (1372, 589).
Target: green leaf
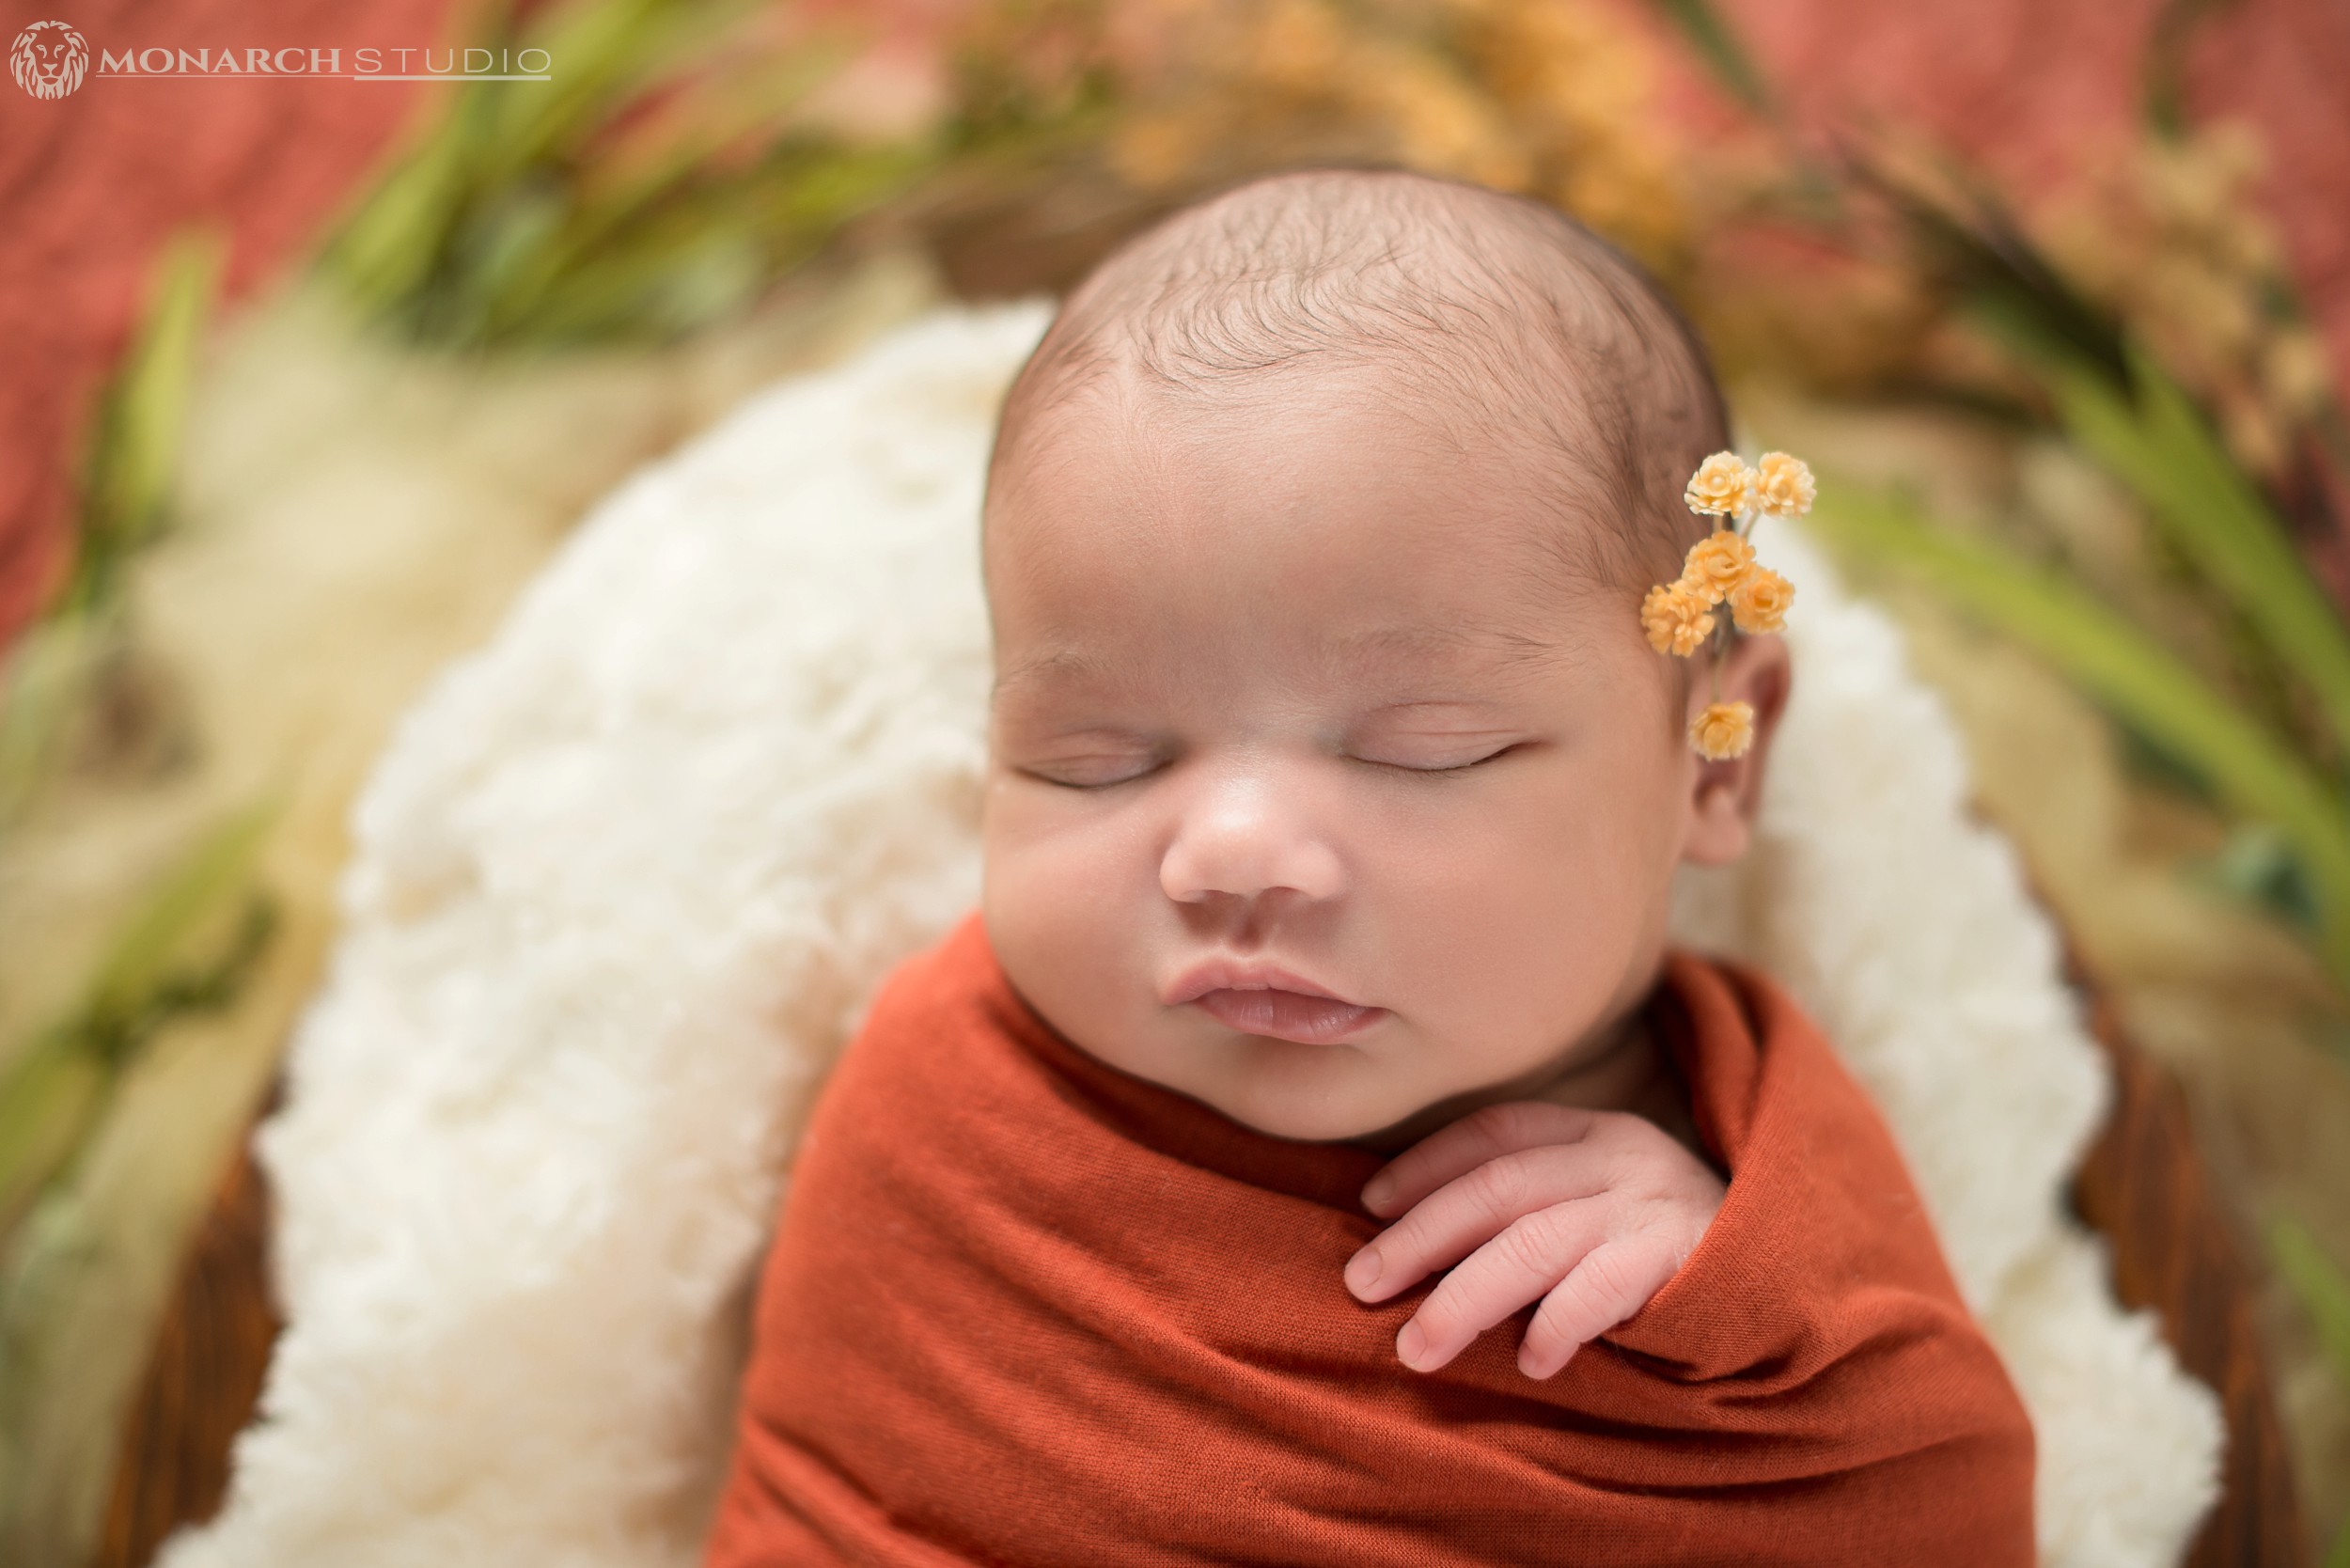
(1718, 44)
(2161, 446)
(2258, 866)
(2255, 772)
(139, 963)
(2320, 1284)
(2139, 424)
(1975, 245)
(525, 214)
(606, 53)
(49, 1098)
(387, 249)
(134, 440)
(43, 681)
(170, 959)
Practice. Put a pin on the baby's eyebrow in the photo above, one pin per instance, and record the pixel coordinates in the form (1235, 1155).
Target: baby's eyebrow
(1063, 665)
(1452, 649)
(1422, 666)
(1503, 648)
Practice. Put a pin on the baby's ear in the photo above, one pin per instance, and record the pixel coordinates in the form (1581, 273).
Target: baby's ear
(1725, 795)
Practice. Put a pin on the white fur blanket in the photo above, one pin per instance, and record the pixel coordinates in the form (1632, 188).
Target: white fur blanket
(625, 878)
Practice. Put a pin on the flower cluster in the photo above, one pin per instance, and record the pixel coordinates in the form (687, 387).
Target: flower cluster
(1679, 616)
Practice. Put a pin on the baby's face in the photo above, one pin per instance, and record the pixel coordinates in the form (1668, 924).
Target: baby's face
(1288, 702)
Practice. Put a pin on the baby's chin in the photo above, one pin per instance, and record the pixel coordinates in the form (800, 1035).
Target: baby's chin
(1309, 1093)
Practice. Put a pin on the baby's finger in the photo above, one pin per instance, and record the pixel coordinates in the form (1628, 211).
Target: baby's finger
(1464, 1145)
(1612, 1282)
(1516, 1268)
(1466, 1212)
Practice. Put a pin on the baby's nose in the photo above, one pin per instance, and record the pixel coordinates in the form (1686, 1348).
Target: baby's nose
(1244, 839)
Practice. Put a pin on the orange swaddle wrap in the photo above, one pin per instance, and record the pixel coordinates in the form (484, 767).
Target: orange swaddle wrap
(1027, 1308)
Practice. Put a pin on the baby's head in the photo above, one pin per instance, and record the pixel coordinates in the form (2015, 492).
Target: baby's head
(1315, 540)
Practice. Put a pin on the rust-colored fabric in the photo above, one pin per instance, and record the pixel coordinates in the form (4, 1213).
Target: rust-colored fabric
(1025, 1309)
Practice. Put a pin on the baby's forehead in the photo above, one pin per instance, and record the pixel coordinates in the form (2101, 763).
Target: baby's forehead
(1467, 332)
(1401, 480)
(1120, 577)
(1501, 327)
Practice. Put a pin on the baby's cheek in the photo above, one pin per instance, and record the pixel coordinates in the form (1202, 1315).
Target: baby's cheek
(1053, 857)
(1052, 916)
(1523, 934)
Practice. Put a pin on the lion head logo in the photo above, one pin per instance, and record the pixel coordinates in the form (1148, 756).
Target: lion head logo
(49, 59)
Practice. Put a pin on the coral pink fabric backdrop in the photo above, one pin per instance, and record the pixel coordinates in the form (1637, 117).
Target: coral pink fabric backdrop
(90, 186)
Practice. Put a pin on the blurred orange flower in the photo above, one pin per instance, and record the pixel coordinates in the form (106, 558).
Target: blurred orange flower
(1759, 603)
(1676, 620)
(1783, 485)
(1720, 485)
(1724, 731)
(1716, 564)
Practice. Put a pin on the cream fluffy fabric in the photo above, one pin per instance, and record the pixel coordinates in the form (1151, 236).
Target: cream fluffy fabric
(625, 878)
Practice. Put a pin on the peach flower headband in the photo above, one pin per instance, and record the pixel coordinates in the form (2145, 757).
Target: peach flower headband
(1679, 616)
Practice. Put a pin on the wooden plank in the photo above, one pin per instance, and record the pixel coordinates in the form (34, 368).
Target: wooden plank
(203, 1381)
(2144, 1186)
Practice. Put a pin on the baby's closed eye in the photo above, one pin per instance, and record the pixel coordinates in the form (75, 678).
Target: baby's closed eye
(1449, 756)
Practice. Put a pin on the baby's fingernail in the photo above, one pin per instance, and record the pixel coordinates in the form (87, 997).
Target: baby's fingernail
(1536, 1367)
(1362, 1270)
(1411, 1345)
(1377, 1191)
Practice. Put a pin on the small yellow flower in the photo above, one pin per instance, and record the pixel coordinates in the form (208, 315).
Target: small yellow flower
(1783, 485)
(2294, 373)
(1677, 620)
(1724, 731)
(1760, 602)
(1716, 565)
(1720, 485)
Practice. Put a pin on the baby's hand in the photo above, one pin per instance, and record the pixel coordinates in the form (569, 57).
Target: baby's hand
(1591, 1212)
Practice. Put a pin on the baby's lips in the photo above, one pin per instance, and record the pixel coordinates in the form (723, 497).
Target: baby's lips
(1287, 1014)
(1225, 972)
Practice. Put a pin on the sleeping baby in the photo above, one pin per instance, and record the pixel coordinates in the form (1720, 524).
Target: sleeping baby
(1311, 1149)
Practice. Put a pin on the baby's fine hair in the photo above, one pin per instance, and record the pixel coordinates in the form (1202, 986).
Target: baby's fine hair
(1508, 314)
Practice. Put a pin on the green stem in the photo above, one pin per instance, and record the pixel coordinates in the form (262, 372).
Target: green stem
(2159, 445)
(2258, 774)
